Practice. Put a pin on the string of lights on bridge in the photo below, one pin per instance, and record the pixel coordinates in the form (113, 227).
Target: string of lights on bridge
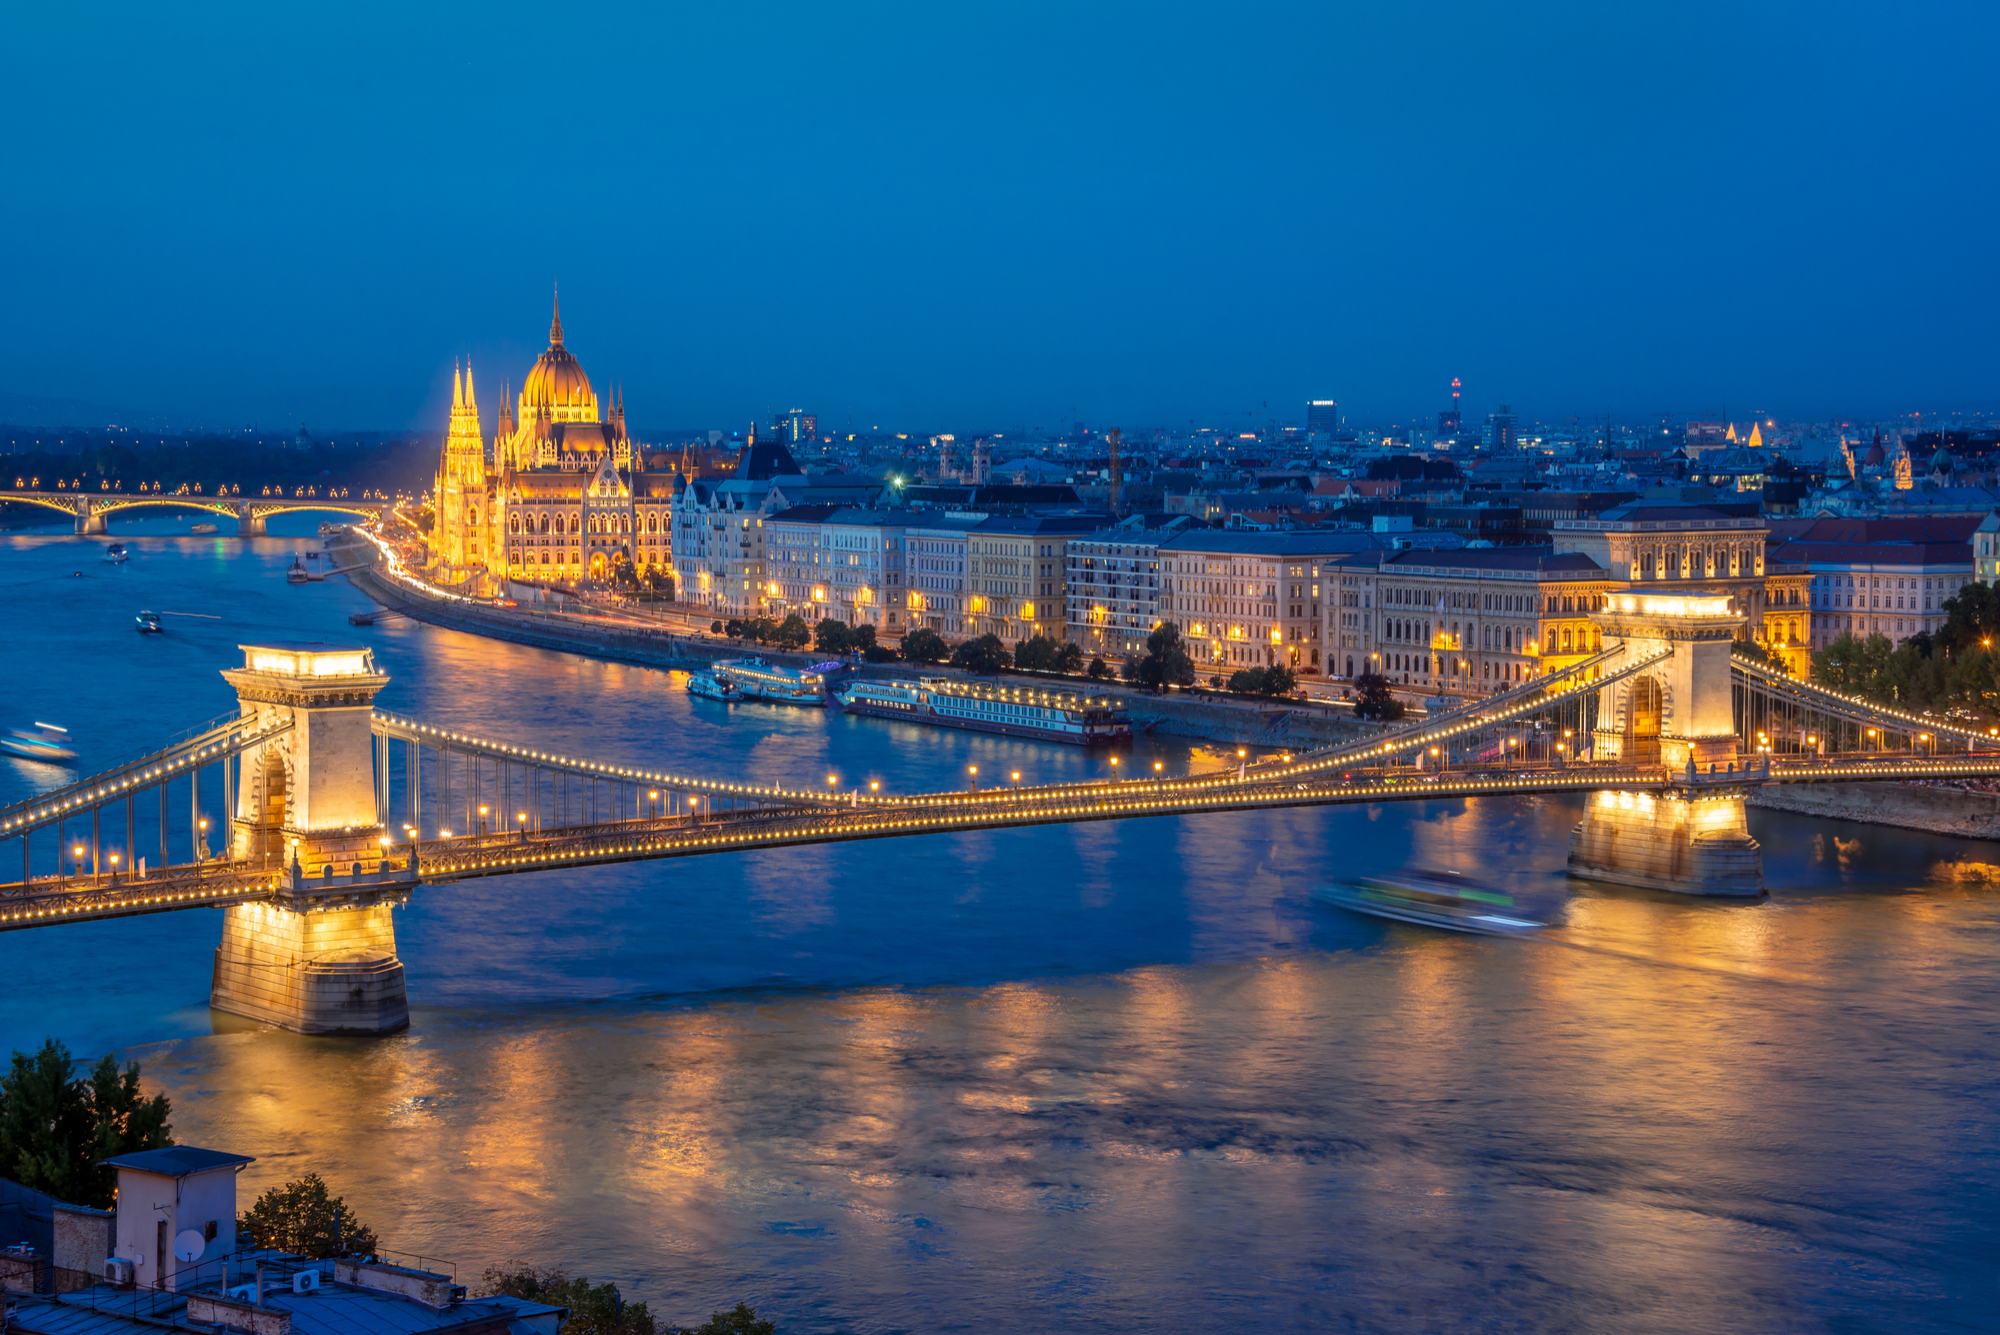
(112, 790)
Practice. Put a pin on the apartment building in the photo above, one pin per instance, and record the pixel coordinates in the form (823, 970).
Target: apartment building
(1113, 588)
(1470, 621)
(840, 562)
(1015, 573)
(1251, 599)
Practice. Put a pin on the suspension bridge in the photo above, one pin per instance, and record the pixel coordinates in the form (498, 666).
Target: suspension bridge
(330, 812)
(90, 509)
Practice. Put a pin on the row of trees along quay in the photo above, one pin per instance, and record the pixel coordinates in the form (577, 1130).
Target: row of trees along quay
(1166, 662)
(1953, 672)
(59, 1121)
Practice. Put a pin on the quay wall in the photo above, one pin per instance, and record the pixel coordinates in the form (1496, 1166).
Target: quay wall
(1240, 723)
(1910, 806)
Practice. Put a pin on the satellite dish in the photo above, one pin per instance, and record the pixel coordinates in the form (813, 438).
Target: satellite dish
(189, 1244)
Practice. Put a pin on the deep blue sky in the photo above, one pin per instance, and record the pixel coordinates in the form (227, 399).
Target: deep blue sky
(940, 215)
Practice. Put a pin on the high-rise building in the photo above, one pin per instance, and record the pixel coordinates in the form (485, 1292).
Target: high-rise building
(800, 427)
(1322, 415)
(1503, 428)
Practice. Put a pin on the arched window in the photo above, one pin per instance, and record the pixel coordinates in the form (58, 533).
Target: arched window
(576, 523)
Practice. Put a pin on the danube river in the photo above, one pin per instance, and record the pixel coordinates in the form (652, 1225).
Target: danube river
(1111, 1077)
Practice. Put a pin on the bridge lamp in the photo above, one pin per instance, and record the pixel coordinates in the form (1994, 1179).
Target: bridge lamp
(1016, 776)
(1159, 766)
(874, 785)
(832, 780)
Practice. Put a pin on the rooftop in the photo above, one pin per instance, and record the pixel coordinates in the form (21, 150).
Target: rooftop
(178, 1160)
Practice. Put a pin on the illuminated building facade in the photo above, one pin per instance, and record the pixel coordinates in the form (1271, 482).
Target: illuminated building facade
(561, 498)
(1114, 587)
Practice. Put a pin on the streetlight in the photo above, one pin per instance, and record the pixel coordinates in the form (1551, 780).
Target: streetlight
(79, 859)
(482, 818)
(114, 869)
(201, 839)
(974, 771)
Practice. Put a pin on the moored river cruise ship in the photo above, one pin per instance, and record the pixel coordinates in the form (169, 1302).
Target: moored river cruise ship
(756, 679)
(1014, 711)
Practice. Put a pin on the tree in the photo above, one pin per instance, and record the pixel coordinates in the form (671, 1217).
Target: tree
(733, 628)
(1167, 662)
(1069, 658)
(739, 1320)
(1271, 681)
(1854, 664)
(761, 629)
(592, 1311)
(925, 645)
(1756, 651)
(862, 638)
(985, 656)
(303, 1218)
(56, 1125)
(1377, 701)
(715, 627)
(1098, 671)
(831, 636)
(792, 632)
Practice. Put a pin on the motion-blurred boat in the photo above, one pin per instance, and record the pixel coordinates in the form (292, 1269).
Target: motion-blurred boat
(116, 554)
(149, 623)
(203, 528)
(1432, 899)
(49, 744)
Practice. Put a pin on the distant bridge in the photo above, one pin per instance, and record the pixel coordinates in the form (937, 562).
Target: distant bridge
(334, 808)
(90, 509)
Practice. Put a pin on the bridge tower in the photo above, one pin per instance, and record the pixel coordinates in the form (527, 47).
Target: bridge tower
(88, 521)
(319, 957)
(1691, 836)
(249, 524)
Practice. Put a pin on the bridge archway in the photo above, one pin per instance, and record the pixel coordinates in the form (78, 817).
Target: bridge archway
(1645, 707)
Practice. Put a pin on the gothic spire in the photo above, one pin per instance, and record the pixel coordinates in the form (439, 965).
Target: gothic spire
(555, 325)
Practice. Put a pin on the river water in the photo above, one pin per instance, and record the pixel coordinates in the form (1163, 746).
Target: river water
(1122, 1076)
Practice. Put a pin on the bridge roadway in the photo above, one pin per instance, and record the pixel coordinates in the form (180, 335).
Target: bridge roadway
(50, 901)
(89, 508)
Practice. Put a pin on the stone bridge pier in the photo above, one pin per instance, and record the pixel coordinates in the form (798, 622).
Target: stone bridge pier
(320, 956)
(88, 521)
(248, 523)
(1689, 836)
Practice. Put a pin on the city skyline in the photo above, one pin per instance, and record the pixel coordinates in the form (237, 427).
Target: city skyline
(1125, 215)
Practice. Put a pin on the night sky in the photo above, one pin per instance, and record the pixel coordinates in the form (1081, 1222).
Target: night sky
(944, 216)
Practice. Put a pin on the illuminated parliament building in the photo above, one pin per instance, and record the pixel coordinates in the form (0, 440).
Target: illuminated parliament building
(560, 495)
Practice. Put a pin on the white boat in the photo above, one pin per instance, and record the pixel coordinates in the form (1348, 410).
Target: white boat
(203, 528)
(298, 574)
(705, 685)
(48, 744)
(1432, 899)
(1013, 711)
(116, 554)
(149, 623)
(756, 679)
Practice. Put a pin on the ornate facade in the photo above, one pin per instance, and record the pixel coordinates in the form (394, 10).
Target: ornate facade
(560, 497)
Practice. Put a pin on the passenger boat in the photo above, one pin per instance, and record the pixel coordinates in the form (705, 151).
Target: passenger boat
(708, 687)
(48, 744)
(298, 574)
(1432, 899)
(756, 679)
(1013, 711)
(203, 528)
(149, 623)
(116, 554)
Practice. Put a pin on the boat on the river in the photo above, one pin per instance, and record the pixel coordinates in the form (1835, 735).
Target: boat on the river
(1012, 711)
(756, 679)
(203, 528)
(709, 687)
(149, 623)
(298, 574)
(116, 554)
(48, 744)
(1443, 899)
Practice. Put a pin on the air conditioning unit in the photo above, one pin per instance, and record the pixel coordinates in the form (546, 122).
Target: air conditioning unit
(305, 1281)
(118, 1271)
(241, 1293)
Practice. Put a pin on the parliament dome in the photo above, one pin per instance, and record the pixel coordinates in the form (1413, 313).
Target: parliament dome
(558, 383)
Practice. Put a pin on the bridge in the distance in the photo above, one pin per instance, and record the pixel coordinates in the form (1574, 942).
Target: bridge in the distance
(89, 510)
(333, 811)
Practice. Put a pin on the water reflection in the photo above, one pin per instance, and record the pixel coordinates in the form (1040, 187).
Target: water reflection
(1101, 1075)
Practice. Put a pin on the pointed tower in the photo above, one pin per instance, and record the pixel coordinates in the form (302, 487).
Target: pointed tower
(462, 511)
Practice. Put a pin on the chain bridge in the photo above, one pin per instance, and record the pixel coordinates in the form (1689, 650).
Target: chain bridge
(90, 509)
(309, 814)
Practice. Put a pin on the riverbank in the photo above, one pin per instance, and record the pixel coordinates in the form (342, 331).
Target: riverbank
(1240, 723)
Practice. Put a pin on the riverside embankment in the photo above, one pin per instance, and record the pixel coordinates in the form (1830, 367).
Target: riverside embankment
(620, 640)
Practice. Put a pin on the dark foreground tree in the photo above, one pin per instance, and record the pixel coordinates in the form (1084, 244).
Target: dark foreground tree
(56, 1124)
(303, 1218)
(793, 632)
(592, 1311)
